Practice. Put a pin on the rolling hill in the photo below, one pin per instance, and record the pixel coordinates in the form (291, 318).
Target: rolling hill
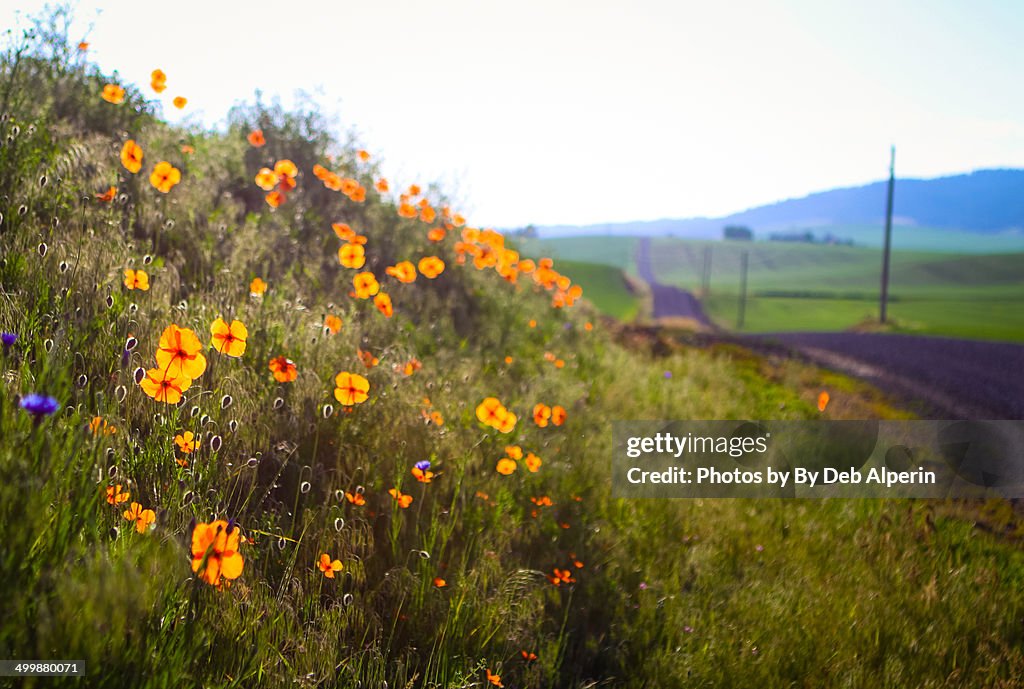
(944, 213)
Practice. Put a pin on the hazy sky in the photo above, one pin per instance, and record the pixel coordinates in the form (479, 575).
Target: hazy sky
(558, 111)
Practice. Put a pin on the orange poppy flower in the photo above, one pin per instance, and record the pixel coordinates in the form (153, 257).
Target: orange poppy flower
(494, 679)
(131, 156)
(507, 422)
(99, 425)
(509, 360)
(344, 232)
(349, 186)
(363, 155)
(407, 210)
(458, 220)
(558, 414)
(542, 501)
(180, 102)
(428, 214)
(266, 179)
(287, 183)
(414, 190)
(431, 266)
(436, 418)
(532, 323)
(541, 414)
(284, 369)
(352, 255)
(356, 499)
(381, 185)
(229, 339)
(163, 387)
(83, 46)
(180, 353)
(366, 285)
(186, 442)
(165, 176)
(332, 323)
(412, 366)
(142, 518)
(528, 657)
(115, 496)
(187, 150)
(275, 198)
(559, 363)
(404, 271)
(401, 498)
(439, 582)
(257, 287)
(158, 80)
(136, 279)
(533, 462)
(108, 195)
(588, 326)
(422, 475)
(215, 551)
(383, 303)
(329, 567)
(561, 576)
(112, 93)
(285, 168)
(256, 138)
(490, 411)
(514, 451)
(351, 388)
(368, 359)
(506, 466)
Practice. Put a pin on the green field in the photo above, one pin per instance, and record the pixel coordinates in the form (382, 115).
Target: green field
(815, 287)
(604, 286)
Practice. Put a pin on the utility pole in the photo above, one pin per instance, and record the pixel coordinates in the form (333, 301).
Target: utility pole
(743, 290)
(888, 238)
(705, 286)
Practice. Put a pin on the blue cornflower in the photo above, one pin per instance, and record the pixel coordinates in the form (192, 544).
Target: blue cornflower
(423, 465)
(39, 405)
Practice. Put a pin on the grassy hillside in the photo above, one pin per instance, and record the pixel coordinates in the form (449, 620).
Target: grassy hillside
(605, 287)
(270, 529)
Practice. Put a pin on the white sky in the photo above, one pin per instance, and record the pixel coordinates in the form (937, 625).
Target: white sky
(559, 111)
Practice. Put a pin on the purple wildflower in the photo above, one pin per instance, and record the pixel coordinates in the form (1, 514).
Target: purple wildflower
(423, 465)
(8, 340)
(39, 405)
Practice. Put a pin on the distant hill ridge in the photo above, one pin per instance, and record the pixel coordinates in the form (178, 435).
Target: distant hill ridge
(984, 201)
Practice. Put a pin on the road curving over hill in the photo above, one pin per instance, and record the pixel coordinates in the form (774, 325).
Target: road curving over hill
(945, 377)
(668, 301)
